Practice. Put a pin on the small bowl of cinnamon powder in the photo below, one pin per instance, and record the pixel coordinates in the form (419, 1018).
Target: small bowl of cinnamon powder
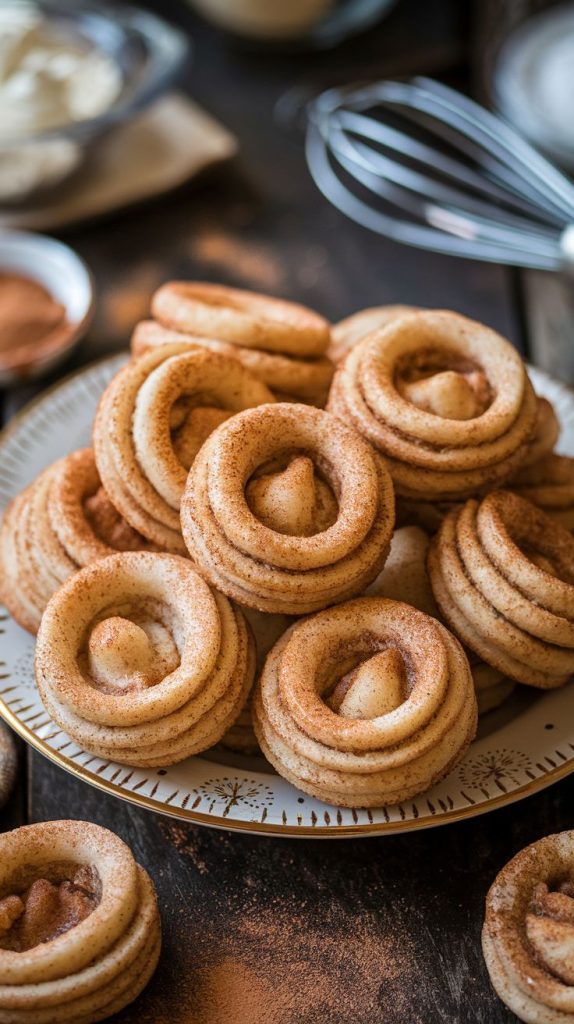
(46, 304)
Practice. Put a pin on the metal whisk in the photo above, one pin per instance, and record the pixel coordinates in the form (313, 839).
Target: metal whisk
(422, 164)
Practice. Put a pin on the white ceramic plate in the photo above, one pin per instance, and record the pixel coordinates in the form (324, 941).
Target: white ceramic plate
(521, 747)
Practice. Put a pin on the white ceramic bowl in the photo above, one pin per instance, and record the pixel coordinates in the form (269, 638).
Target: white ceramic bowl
(66, 277)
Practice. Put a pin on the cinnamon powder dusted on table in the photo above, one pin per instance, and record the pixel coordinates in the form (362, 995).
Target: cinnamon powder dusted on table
(276, 967)
(253, 957)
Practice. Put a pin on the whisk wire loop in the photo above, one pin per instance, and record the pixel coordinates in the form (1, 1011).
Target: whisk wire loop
(377, 152)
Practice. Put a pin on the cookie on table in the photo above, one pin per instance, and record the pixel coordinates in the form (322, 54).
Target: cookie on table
(528, 932)
(80, 933)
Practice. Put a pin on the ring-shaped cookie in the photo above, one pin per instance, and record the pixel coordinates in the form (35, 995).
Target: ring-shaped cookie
(528, 931)
(137, 410)
(95, 965)
(446, 400)
(290, 378)
(241, 317)
(549, 484)
(364, 704)
(62, 521)
(348, 332)
(502, 573)
(260, 565)
(138, 660)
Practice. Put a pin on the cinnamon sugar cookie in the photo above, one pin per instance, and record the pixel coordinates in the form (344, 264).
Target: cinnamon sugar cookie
(139, 661)
(289, 378)
(282, 343)
(528, 932)
(502, 573)
(151, 421)
(404, 576)
(346, 334)
(491, 685)
(80, 933)
(365, 704)
(538, 463)
(446, 400)
(287, 510)
(61, 522)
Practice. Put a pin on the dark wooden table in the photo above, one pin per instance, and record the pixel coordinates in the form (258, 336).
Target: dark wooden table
(269, 931)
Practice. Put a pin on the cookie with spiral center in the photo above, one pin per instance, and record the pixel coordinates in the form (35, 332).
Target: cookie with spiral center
(528, 933)
(502, 573)
(80, 932)
(140, 661)
(365, 704)
(287, 510)
(446, 400)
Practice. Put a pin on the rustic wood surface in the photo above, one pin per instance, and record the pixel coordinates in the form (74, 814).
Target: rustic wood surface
(268, 931)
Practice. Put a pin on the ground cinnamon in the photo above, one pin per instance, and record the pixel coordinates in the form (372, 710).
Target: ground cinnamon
(29, 315)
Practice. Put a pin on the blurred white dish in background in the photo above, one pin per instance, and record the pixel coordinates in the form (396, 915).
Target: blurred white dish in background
(32, 165)
(533, 82)
(265, 20)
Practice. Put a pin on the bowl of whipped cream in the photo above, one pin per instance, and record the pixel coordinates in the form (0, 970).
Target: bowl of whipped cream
(70, 72)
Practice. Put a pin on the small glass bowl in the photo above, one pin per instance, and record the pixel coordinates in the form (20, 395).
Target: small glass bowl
(149, 53)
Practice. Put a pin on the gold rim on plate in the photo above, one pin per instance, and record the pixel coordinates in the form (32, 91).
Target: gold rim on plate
(262, 828)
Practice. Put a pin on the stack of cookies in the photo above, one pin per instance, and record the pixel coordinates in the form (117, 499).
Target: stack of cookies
(236, 521)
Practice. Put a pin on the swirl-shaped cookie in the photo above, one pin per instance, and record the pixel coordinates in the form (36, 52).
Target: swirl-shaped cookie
(140, 662)
(502, 573)
(549, 484)
(151, 421)
(61, 522)
(348, 332)
(528, 933)
(405, 578)
(282, 343)
(287, 510)
(365, 704)
(446, 400)
(80, 933)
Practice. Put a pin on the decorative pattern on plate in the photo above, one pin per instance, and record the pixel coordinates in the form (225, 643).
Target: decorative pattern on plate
(228, 792)
(514, 755)
(503, 767)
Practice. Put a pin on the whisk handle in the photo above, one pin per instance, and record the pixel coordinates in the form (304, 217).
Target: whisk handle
(566, 244)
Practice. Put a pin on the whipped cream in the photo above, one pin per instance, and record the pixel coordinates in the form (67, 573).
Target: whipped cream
(48, 78)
